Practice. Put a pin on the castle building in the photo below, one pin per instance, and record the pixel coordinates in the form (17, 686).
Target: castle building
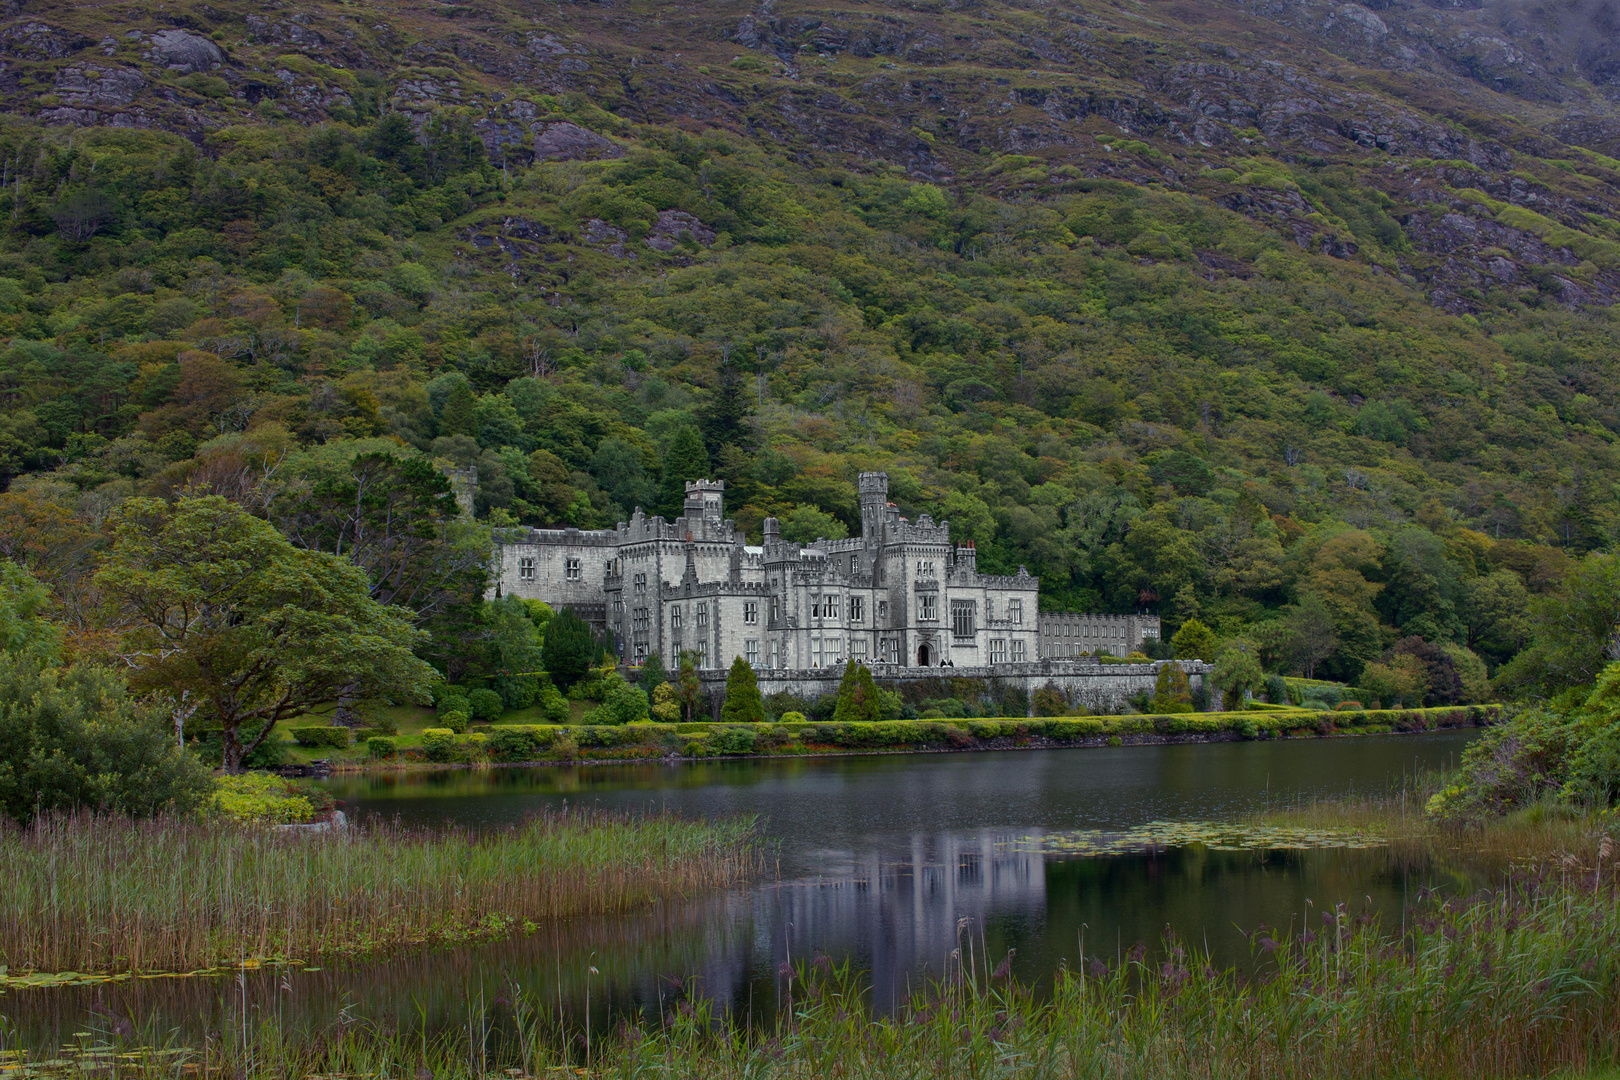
(900, 594)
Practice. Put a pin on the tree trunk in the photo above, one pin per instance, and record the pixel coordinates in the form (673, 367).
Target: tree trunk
(231, 757)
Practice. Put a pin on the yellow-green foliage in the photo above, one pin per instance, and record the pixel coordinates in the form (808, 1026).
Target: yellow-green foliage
(260, 799)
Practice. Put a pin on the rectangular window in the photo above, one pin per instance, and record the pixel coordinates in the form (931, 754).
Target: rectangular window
(702, 653)
(751, 652)
(925, 568)
(618, 604)
(773, 654)
(857, 649)
(640, 583)
(675, 618)
(829, 607)
(927, 607)
(641, 650)
(776, 609)
(1015, 612)
(857, 609)
(702, 614)
(852, 562)
(526, 568)
(815, 605)
(572, 570)
(883, 610)
(815, 652)
(750, 612)
(998, 650)
(835, 651)
(1019, 655)
(962, 618)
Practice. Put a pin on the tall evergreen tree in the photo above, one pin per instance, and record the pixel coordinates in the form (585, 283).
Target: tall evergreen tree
(687, 460)
(569, 649)
(652, 674)
(458, 417)
(743, 704)
(857, 696)
(725, 420)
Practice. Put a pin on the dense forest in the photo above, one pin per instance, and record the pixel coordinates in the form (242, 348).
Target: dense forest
(1322, 394)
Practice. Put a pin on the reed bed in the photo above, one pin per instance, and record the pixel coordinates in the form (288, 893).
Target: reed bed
(88, 893)
(1523, 981)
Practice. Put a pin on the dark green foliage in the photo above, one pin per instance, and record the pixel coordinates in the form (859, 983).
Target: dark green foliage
(569, 650)
(486, 705)
(1172, 692)
(686, 460)
(622, 704)
(743, 703)
(380, 748)
(512, 744)
(336, 738)
(652, 673)
(733, 740)
(859, 698)
(74, 739)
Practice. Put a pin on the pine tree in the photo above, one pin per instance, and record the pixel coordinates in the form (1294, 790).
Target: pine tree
(743, 704)
(458, 416)
(857, 696)
(687, 460)
(569, 649)
(725, 419)
(1172, 692)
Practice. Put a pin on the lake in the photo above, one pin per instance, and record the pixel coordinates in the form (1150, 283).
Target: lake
(890, 863)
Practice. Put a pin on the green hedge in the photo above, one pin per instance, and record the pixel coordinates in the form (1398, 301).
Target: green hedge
(334, 737)
(532, 742)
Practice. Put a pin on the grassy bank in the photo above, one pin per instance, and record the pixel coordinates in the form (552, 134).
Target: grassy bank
(1520, 982)
(514, 743)
(96, 894)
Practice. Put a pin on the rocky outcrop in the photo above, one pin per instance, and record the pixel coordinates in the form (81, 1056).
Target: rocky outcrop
(562, 141)
(182, 51)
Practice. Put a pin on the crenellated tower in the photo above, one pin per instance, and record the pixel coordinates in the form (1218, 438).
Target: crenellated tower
(874, 491)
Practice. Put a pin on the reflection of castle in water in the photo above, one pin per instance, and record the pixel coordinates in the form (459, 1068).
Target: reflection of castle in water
(896, 912)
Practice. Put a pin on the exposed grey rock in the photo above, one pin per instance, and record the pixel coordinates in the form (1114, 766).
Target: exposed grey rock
(183, 51)
(40, 41)
(562, 141)
(672, 226)
(90, 86)
(609, 238)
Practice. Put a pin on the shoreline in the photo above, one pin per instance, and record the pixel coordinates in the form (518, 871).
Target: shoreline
(1000, 743)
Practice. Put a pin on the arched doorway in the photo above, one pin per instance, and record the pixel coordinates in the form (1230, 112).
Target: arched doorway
(925, 655)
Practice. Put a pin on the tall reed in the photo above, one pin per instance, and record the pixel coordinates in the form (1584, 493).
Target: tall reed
(89, 893)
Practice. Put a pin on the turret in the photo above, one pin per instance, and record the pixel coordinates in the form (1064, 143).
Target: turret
(874, 488)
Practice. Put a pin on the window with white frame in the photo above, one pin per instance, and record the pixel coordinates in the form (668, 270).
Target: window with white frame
(751, 652)
(750, 612)
(925, 568)
(1019, 651)
(641, 650)
(675, 619)
(835, 650)
(815, 605)
(928, 607)
(882, 610)
(857, 609)
(526, 568)
(571, 570)
(829, 607)
(702, 614)
(702, 653)
(639, 583)
(857, 649)
(618, 605)
(776, 609)
(815, 652)
(773, 654)
(1015, 612)
(998, 650)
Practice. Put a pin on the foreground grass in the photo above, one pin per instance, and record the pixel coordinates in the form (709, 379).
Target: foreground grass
(98, 894)
(1523, 981)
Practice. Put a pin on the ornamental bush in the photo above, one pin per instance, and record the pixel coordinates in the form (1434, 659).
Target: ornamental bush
(456, 702)
(381, 748)
(486, 705)
(732, 740)
(512, 744)
(455, 721)
(439, 744)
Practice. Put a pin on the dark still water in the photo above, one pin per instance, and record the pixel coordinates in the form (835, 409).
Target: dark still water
(880, 860)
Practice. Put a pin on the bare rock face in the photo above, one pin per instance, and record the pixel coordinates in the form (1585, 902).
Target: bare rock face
(562, 141)
(673, 226)
(183, 51)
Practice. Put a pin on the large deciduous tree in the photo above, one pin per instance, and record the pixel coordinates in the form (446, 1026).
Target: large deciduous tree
(219, 607)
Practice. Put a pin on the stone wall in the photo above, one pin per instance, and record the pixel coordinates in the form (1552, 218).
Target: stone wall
(1098, 687)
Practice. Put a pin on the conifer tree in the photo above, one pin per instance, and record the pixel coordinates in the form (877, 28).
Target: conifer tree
(1171, 691)
(569, 649)
(652, 673)
(687, 460)
(857, 696)
(743, 704)
(458, 416)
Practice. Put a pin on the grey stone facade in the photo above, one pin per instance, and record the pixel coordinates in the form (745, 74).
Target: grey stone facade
(900, 596)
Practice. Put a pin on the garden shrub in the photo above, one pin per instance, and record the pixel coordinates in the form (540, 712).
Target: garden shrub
(733, 740)
(564, 747)
(335, 737)
(512, 744)
(625, 704)
(486, 705)
(1348, 706)
(793, 718)
(956, 737)
(985, 729)
(439, 744)
(380, 748)
(553, 706)
(455, 721)
(455, 703)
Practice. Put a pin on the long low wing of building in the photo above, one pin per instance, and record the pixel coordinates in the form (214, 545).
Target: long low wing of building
(902, 593)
